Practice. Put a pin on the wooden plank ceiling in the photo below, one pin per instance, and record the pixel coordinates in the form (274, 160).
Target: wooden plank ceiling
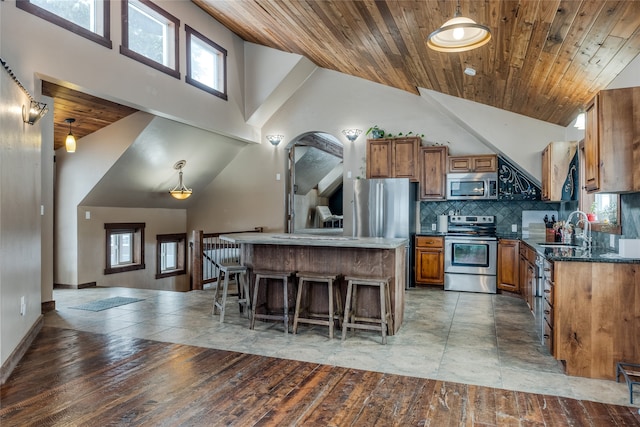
(546, 59)
(91, 113)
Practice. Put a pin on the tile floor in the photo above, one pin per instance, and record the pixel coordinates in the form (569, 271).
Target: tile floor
(481, 339)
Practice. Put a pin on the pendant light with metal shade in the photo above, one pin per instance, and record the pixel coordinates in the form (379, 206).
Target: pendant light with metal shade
(70, 142)
(459, 34)
(180, 192)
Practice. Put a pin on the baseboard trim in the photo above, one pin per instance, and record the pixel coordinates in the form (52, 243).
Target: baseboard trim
(80, 286)
(12, 361)
(48, 306)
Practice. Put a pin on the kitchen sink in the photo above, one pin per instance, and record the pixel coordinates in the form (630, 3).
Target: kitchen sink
(558, 245)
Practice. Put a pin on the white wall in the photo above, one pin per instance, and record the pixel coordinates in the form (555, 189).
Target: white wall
(91, 68)
(92, 246)
(77, 174)
(20, 222)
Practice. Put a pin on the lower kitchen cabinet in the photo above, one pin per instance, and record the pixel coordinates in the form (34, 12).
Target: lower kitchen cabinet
(527, 273)
(430, 260)
(509, 265)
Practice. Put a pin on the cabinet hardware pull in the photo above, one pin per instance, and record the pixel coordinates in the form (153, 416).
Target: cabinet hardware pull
(547, 312)
(546, 336)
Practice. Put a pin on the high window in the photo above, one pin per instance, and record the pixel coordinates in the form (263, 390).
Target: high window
(206, 64)
(124, 247)
(150, 36)
(87, 18)
(171, 255)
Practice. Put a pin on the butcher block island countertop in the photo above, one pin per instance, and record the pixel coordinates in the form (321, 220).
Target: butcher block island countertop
(340, 255)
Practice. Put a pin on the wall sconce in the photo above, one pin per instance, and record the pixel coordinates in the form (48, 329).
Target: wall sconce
(580, 123)
(70, 142)
(35, 112)
(459, 34)
(352, 134)
(180, 192)
(275, 139)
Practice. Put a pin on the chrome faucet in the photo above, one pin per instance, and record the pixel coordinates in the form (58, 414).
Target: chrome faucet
(586, 233)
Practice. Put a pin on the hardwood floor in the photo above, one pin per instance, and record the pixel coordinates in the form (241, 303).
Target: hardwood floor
(71, 377)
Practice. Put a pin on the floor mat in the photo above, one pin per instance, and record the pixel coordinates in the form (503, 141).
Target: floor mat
(105, 304)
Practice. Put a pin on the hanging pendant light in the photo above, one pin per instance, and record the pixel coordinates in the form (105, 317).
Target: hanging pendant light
(70, 142)
(180, 192)
(459, 34)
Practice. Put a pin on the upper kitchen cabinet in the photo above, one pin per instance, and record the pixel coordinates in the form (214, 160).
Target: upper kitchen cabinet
(560, 171)
(483, 163)
(393, 158)
(433, 172)
(612, 126)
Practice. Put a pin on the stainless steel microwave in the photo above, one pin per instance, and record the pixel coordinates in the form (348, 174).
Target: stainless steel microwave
(472, 186)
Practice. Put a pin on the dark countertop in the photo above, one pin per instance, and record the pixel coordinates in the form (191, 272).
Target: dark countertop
(431, 233)
(578, 254)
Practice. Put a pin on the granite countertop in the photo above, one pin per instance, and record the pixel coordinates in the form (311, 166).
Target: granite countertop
(431, 233)
(577, 253)
(314, 240)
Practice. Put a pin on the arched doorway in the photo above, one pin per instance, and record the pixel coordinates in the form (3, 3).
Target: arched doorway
(314, 179)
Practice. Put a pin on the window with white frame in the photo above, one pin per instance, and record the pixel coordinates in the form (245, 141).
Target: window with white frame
(124, 247)
(206, 64)
(171, 255)
(87, 18)
(150, 36)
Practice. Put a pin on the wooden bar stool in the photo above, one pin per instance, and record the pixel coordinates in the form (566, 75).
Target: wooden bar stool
(240, 273)
(351, 305)
(282, 276)
(303, 312)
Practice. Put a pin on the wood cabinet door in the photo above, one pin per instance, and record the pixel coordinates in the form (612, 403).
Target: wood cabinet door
(509, 265)
(546, 173)
(459, 164)
(405, 158)
(379, 158)
(484, 163)
(433, 172)
(430, 266)
(592, 147)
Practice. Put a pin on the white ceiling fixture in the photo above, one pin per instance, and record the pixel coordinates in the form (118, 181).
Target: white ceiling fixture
(470, 71)
(459, 34)
(180, 192)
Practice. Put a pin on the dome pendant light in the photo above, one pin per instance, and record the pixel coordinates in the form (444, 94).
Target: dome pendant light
(459, 34)
(180, 192)
(70, 142)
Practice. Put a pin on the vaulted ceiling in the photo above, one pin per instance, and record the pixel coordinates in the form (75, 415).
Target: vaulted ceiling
(546, 59)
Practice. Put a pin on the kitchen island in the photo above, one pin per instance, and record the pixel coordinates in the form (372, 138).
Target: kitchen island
(340, 255)
(591, 308)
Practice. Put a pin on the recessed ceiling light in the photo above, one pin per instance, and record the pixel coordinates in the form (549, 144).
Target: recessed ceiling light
(470, 71)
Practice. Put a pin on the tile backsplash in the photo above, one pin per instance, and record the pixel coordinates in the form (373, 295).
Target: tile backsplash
(510, 212)
(506, 212)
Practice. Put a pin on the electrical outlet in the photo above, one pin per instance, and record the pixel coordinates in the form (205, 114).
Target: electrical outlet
(23, 306)
(348, 174)
(277, 177)
(433, 227)
(612, 241)
(514, 228)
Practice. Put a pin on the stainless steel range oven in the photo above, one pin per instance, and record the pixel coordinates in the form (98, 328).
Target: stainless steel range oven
(470, 254)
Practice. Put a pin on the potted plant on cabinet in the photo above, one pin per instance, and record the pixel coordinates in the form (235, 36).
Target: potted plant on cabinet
(376, 132)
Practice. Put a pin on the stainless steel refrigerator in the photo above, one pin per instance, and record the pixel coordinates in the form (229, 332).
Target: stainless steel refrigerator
(387, 208)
